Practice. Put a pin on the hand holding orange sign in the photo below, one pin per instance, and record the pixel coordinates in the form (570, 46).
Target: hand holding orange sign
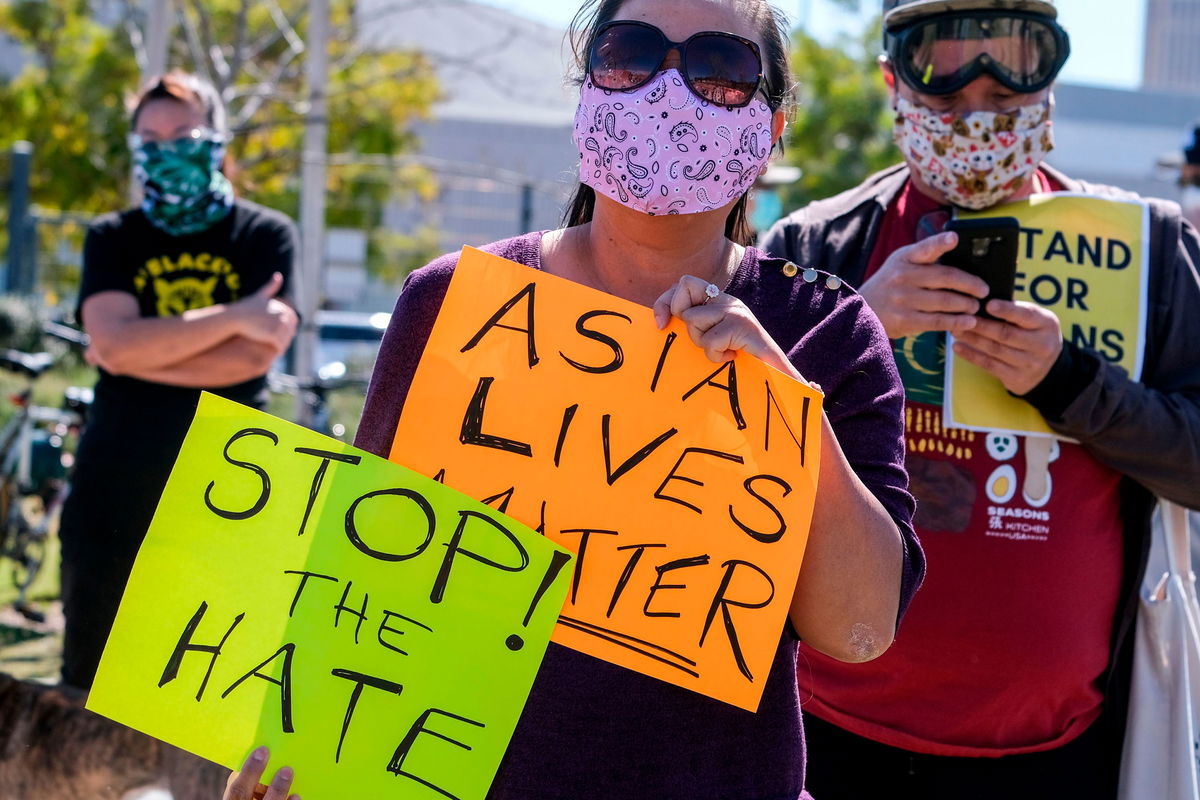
(685, 487)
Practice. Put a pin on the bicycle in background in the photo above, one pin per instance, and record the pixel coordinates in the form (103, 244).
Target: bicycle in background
(34, 466)
(314, 392)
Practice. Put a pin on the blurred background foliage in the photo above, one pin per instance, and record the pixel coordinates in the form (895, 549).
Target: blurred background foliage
(71, 101)
(842, 128)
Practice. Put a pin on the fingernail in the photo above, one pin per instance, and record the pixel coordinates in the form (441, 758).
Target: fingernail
(259, 754)
(948, 238)
(284, 774)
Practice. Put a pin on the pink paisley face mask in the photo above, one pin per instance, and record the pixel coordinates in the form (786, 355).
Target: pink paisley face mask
(979, 159)
(660, 149)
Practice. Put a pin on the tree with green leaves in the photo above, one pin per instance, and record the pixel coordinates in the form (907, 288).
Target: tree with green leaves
(842, 130)
(82, 63)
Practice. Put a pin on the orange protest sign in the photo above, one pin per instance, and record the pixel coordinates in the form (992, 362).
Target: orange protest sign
(685, 487)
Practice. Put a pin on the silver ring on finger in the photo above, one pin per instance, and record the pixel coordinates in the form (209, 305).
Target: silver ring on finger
(710, 292)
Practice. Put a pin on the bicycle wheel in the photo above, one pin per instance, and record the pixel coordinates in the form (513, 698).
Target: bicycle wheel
(27, 555)
(27, 560)
(8, 513)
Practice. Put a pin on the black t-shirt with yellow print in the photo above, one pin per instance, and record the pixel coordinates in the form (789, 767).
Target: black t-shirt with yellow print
(169, 275)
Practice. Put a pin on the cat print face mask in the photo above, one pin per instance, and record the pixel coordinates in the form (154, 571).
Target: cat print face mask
(978, 159)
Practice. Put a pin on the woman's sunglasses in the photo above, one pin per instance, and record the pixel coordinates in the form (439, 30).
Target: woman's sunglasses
(722, 68)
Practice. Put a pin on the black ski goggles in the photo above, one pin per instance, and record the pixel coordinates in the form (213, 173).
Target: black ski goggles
(722, 68)
(1023, 52)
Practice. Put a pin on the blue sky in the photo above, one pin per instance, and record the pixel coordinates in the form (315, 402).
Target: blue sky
(1106, 35)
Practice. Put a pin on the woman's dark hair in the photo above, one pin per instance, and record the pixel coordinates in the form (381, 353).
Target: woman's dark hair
(777, 82)
(182, 87)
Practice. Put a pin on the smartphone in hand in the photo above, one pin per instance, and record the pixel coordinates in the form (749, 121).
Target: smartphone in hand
(987, 248)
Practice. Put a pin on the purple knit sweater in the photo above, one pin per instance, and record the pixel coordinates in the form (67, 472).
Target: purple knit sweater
(595, 730)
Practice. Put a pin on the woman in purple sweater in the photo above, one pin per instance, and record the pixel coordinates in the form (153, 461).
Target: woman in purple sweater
(678, 113)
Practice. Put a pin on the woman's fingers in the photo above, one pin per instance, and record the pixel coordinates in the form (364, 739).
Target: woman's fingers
(722, 341)
(719, 323)
(242, 785)
(280, 785)
(246, 784)
(662, 308)
(725, 326)
(724, 311)
(688, 292)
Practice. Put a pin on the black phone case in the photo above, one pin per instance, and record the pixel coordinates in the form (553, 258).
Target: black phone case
(987, 248)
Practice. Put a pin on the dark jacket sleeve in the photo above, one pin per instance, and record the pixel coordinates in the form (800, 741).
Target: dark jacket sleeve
(837, 234)
(1148, 430)
(782, 240)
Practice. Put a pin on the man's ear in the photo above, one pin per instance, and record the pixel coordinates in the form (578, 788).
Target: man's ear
(889, 78)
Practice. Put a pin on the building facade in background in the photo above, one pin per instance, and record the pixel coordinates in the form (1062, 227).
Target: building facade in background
(1172, 52)
(499, 142)
(1121, 136)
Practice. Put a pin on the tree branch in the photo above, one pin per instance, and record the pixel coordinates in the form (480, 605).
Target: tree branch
(295, 104)
(195, 48)
(216, 56)
(239, 43)
(138, 44)
(255, 102)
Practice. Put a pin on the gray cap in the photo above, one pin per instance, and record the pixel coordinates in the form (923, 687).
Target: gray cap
(898, 13)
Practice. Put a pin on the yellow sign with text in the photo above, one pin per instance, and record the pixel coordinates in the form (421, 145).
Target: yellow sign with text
(685, 487)
(1084, 258)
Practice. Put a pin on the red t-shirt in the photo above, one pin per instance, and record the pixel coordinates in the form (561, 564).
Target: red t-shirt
(1003, 648)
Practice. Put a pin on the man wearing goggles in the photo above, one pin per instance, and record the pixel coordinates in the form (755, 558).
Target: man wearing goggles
(1010, 674)
(1022, 51)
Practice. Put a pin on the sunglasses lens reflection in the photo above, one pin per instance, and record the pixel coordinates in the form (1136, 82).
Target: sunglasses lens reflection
(722, 70)
(626, 56)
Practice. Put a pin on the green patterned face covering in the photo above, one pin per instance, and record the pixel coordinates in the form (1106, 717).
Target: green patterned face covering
(184, 190)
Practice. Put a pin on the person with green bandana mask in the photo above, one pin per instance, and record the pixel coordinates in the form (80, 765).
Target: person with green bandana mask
(184, 188)
(184, 293)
